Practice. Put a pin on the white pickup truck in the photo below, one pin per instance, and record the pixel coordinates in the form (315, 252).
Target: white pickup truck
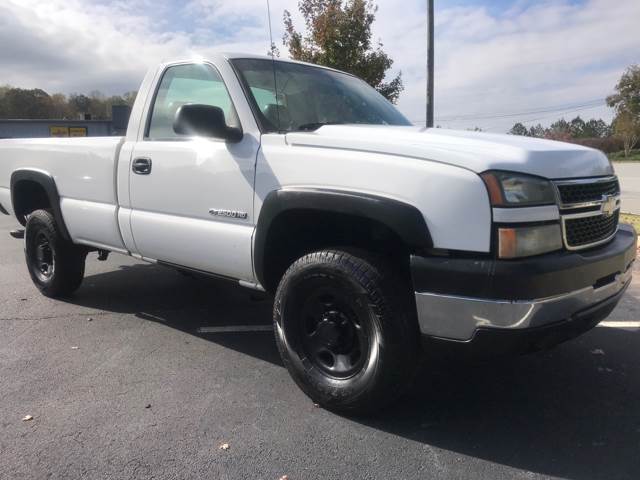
(378, 239)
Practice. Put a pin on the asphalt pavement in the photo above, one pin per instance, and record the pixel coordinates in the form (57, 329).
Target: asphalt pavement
(629, 175)
(122, 382)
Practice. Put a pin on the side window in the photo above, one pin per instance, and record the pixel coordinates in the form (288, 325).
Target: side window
(182, 84)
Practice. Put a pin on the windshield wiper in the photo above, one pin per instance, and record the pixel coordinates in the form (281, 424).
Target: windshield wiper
(307, 127)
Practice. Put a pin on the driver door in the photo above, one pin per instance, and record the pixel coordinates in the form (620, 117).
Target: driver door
(183, 188)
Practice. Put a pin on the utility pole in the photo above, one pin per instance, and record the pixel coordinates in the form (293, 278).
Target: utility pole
(430, 64)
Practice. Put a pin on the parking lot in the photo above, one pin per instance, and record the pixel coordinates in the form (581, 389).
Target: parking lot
(629, 174)
(123, 381)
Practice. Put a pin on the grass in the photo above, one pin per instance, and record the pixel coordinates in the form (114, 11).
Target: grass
(632, 219)
(634, 156)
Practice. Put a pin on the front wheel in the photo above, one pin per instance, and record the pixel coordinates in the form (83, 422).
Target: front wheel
(55, 265)
(346, 330)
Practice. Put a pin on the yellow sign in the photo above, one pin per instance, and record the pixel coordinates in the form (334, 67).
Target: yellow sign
(77, 131)
(58, 131)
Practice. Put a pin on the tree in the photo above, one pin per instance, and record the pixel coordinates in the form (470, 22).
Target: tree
(130, 97)
(60, 106)
(338, 35)
(3, 104)
(80, 104)
(566, 131)
(596, 129)
(519, 129)
(36, 103)
(559, 130)
(627, 96)
(627, 126)
(98, 107)
(21, 103)
(626, 102)
(577, 127)
(537, 131)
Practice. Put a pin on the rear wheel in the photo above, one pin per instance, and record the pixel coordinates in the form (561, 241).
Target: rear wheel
(55, 265)
(346, 330)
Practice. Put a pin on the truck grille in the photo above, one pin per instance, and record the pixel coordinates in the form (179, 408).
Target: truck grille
(571, 193)
(588, 230)
(589, 211)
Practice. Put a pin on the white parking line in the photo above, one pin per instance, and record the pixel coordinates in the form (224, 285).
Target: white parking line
(619, 324)
(268, 328)
(236, 329)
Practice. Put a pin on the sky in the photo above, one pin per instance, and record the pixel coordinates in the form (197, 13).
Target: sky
(497, 61)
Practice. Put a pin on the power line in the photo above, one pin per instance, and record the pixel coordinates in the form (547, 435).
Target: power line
(549, 116)
(490, 116)
(536, 111)
(566, 111)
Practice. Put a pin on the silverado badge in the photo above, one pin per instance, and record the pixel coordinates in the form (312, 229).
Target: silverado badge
(220, 212)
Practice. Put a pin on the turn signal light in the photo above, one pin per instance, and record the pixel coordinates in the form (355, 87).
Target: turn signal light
(528, 241)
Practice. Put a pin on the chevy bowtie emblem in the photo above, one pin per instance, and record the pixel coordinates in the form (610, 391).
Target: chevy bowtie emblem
(609, 204)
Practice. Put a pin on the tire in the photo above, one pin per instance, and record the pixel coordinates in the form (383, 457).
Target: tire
(56, 265)
(346, 330)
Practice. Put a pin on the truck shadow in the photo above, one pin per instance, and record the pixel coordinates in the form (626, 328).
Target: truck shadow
(571, 412)
(165, 296)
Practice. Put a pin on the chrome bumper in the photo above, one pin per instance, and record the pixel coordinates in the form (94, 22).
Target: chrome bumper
(458, 318)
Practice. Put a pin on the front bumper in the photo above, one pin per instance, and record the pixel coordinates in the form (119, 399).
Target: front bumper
(463, 299)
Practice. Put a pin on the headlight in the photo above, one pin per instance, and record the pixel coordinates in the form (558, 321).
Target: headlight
(528, 241)
(508, 189)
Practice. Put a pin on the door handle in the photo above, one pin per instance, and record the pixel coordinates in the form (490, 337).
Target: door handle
(141, 166)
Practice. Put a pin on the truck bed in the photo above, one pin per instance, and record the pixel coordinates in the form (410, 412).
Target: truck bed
(84, 170)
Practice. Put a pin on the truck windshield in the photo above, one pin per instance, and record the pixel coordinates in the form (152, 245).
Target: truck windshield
(309, 97)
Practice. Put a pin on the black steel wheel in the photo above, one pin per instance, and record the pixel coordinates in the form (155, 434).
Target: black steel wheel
(346, 330)
(334, 334)
(44, 261)
(55, 265)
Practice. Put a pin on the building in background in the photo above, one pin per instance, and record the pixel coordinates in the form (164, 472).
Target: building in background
(42, 128)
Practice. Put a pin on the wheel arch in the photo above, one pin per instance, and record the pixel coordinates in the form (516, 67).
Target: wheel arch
(400, 221)
(32, 189)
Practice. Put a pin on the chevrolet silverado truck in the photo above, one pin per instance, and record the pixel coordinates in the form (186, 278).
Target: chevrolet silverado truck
(378, 239)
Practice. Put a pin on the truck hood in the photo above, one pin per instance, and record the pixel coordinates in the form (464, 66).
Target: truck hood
(476, 151)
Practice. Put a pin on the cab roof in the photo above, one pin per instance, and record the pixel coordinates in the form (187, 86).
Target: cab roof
(237, 55)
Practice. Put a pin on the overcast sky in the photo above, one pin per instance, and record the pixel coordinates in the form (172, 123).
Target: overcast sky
(535, 60)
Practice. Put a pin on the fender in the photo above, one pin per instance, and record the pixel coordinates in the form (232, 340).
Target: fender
(47, 182)
(403, 219)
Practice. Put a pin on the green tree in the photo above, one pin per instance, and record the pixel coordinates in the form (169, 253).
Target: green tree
(596, 129)
(626, 102)
(22, 103)
(519, 129)
(36, 103)
(559, 130)
(338, 35)
(577, 127)
(3, 104)
(537, 131)
(627, 96)
(79, 104)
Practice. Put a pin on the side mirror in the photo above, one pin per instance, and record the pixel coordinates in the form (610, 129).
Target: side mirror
(204, 121)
